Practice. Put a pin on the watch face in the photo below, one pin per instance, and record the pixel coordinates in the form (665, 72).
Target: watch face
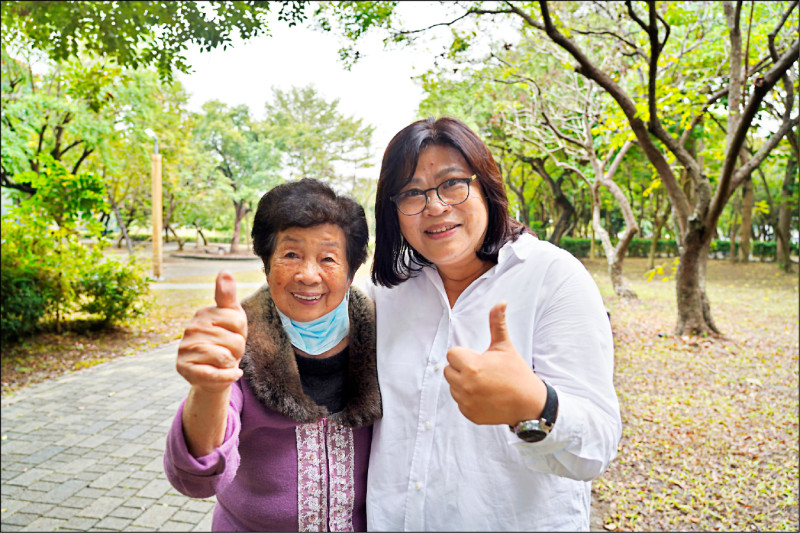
(531, 435)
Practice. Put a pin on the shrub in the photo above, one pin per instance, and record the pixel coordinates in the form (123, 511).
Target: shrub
(765, 251)
(579, 247)
(47, 269)
(27, 296)
(113, 290)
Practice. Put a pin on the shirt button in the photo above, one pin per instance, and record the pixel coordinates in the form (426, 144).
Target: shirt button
(418, 485)
(427, 424)
(436, 367)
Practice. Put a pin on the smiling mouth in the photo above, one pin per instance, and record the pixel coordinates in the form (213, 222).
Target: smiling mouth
(441, 230)
(307, 298)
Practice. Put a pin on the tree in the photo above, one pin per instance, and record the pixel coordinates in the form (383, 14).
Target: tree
(316, 140)
(61, 113)
(672, 81)
(246, 160)
(140, 34)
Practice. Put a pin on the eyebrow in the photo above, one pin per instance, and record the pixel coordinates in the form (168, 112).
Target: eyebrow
(292, 240)
(444, 172)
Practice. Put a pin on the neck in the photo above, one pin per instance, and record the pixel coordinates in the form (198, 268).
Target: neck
(455, 280)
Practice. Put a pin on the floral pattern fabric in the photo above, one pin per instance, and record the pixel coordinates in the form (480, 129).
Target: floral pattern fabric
(325, 469)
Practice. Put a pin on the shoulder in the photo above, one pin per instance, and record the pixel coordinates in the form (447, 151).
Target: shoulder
(536, 253)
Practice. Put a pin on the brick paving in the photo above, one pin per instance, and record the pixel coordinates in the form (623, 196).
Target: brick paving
(83, 452)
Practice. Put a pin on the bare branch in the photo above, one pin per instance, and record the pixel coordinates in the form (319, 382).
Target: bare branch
(744, 171)
(589, 70)
(636, 49)
(762, 87)
(634, 16)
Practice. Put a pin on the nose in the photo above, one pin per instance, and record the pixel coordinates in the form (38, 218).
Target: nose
(434, 205)
(308, 273)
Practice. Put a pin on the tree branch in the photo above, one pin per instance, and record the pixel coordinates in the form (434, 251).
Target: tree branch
(744, 171)
(589, 70)
(760, 90)
(636, 49)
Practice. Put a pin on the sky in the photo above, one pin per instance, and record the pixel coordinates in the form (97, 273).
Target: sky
(379, 88)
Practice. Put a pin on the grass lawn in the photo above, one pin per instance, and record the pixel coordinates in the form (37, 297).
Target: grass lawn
(710, 426)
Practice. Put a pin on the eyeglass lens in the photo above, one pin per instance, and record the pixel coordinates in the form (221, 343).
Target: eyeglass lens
(451, 192)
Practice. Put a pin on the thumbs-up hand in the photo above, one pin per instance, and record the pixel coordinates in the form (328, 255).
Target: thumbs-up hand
(496, 386)
(214, 340)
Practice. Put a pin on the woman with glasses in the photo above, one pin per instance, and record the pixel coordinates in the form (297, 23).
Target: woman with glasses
(495, 353)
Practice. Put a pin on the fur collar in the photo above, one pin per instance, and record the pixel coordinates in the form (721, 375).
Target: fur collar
(271, 370)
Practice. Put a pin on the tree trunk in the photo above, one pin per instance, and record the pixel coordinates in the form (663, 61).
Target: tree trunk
(123, 229)
(734, 231)
(241, 210)
(658, 227)
(694, 309)
(565, 207)
(746, 228)
(614, 256)
(177, 238)
(785, 217)
(199, 234)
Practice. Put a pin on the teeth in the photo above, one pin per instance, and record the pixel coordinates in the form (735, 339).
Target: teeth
(309, 298)
(441, 230)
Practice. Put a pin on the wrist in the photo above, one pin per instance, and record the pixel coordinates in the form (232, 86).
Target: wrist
(532, 401)
(536, 429)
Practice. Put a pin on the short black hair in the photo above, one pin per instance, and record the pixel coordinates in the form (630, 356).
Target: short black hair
(395, 260)
(307, 203)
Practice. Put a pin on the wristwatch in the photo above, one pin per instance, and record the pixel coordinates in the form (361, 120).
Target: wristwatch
(536, 430)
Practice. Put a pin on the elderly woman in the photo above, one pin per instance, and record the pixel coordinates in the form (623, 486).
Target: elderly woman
(481, 328)
(278, 420)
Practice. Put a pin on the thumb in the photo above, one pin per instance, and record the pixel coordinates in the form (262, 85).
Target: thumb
(497, 324)
(225, 291)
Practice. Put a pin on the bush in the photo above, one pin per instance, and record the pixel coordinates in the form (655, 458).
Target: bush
(765, 251)
(579, 247)
(47, 270)
(27, 296)
(636, 248)
(113, 290)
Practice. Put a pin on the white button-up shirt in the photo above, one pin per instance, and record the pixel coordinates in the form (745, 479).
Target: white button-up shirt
(431, 468)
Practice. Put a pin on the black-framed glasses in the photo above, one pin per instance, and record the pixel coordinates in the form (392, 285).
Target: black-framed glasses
(451, 191)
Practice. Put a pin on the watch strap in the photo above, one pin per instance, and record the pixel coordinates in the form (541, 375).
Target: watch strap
(550, 411)
(536, 430)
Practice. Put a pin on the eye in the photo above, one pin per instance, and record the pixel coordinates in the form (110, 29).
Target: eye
(449, 184)
(411, 194)
(329, 259)
(290, 255)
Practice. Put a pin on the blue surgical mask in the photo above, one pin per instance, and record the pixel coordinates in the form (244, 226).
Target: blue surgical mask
(321, 334)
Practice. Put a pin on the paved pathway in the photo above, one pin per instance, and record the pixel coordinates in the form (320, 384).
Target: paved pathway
(83, 452)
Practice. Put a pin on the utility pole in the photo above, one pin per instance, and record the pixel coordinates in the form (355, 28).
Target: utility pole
(156, 208)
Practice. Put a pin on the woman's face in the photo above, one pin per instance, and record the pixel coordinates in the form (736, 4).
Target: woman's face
(308, 271)
(447, 236)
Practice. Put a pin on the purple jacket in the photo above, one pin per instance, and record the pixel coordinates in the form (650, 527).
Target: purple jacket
(285, 463)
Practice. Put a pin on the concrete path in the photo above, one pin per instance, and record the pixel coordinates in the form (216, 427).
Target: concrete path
(83, 452)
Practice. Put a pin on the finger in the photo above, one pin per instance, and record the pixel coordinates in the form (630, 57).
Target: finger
(209, 353)
(209, 376)
(207, 319)
(460, 357)
(225, 291)
(498, 327)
